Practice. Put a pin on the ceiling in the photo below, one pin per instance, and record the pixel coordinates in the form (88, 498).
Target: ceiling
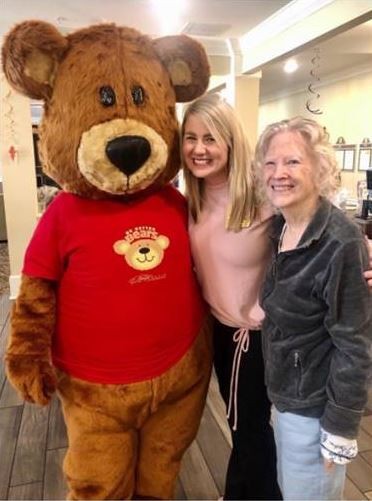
(341, 56)
(219, 18)
(212, 22)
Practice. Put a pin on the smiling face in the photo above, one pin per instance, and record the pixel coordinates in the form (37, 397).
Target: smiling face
(289, 173)
(202, 154)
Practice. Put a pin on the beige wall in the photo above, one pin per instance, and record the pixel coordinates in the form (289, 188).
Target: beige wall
(347, 112)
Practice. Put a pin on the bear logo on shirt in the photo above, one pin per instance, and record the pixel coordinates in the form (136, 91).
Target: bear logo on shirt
(142, 247)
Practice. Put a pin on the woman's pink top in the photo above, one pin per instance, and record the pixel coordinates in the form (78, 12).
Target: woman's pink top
(230, 265)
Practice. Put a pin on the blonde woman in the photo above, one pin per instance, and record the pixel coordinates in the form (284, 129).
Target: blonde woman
(230, 246)
(317, 329)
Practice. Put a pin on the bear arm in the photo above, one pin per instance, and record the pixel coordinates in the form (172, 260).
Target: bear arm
(28, 355)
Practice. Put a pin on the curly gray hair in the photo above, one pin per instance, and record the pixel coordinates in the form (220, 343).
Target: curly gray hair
(317, 142)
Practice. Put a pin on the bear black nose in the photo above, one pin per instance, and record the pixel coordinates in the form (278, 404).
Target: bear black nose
(144, 250)
(128, 153)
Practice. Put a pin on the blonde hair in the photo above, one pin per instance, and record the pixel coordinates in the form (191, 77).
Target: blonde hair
(316, 138)
(222, 122)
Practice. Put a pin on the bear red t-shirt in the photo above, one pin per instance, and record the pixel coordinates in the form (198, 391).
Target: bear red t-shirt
(128, 306)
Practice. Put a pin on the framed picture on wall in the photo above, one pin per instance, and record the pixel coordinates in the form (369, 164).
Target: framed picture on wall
(365, 157)
(345, 155)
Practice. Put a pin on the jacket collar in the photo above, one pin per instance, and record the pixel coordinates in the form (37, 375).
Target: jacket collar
(314, 230)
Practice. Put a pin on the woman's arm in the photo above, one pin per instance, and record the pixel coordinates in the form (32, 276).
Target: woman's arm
(349, 324)
(368, 273)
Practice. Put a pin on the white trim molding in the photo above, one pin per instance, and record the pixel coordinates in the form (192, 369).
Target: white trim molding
(297, 25)
(281, 20)
(14, 284)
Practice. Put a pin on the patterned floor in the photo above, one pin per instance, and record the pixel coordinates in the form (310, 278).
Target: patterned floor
(4, 268)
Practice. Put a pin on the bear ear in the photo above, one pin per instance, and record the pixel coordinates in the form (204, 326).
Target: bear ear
(163, 241)
(30, 56)
(121, 247)
(187, 65)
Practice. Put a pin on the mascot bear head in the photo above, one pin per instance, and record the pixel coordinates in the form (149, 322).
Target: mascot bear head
(109, 127)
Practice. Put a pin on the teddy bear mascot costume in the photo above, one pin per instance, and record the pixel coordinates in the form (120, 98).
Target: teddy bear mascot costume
(109, 312)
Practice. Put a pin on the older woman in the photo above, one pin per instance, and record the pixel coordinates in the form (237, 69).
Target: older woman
(317, 328)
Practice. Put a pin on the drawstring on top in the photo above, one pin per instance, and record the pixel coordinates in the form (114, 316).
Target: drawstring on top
(241, 337)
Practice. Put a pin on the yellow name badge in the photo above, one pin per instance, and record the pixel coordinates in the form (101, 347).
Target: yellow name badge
(244, 224)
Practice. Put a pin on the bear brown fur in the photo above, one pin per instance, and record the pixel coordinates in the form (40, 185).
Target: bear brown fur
(109, 137)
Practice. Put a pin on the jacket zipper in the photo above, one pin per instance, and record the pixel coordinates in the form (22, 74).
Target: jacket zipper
(297, 364)
(296, 359)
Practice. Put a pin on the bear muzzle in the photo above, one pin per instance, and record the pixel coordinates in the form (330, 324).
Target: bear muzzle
(128, 153)
(121, 156)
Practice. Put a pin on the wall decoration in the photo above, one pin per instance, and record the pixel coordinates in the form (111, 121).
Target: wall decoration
(9, 123)
(311, 104)
(345, 154)
(365, 155)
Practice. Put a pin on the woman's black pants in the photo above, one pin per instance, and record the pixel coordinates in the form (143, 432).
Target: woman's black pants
(251, 472)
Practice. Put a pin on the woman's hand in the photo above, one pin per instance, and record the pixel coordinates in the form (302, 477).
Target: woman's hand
(336, 449)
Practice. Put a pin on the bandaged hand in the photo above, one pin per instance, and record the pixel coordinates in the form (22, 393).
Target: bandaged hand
(336, 449)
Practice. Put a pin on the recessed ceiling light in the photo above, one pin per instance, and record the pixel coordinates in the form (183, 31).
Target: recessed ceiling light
(290, 66)
(169, 14)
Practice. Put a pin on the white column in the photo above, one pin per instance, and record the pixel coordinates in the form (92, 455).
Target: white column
(247, 95)
(19, 178)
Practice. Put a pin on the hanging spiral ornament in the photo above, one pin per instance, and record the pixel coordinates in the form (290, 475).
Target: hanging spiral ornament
(310, 103)
(9, 123)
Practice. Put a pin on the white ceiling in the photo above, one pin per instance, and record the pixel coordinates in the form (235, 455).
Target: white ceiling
(212, 22)
(225, 18)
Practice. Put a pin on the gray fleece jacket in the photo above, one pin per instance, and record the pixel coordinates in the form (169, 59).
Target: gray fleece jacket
(317, 330)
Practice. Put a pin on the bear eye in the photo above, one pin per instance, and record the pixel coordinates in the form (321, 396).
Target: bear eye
(107, 96)
(138, 95)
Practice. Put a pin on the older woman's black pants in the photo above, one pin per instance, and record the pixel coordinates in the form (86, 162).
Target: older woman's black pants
(251, 472)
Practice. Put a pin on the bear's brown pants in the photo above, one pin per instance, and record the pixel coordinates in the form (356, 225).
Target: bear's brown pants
(127, 441)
